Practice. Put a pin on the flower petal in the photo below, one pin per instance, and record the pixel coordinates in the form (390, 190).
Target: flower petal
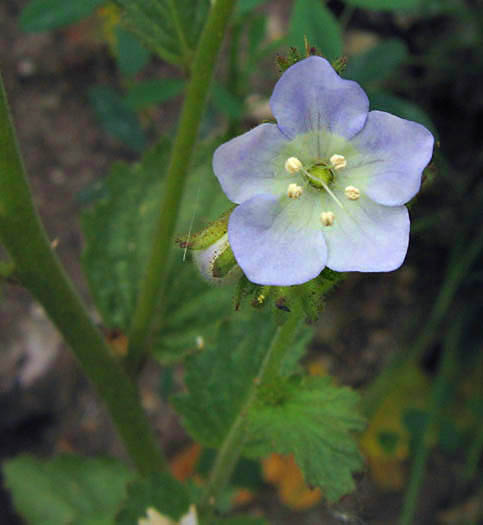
(311, 96)
(392, 154)
(367, 237)
(277, 241)
(249, 164)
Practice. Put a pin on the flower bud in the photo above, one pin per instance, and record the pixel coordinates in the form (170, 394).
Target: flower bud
(206, 237)
(217, 264)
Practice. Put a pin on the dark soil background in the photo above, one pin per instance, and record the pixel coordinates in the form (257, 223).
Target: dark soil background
(46, 404)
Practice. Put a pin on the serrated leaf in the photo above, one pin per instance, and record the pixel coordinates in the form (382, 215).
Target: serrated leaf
(66, 489)
(132, 56)
(385, 5)
(378, 63)
(314, 421)
(158, 491)
(116, 117)
(151, 92)
(118, 231)
(219, 378)
(311, 18)
(171, 28)
(42, 15)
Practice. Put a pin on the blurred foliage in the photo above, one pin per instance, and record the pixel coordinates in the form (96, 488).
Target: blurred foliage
(67, 489)
(121, 239)
(43, 15)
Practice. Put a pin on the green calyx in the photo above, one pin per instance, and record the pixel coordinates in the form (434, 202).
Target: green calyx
(308, 297)
(208, 236)
(224, 263)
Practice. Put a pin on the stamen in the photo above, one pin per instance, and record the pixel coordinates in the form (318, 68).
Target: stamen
(352, 193)
(338, 161)
(292, 165)
(327, 218)
(294, 191)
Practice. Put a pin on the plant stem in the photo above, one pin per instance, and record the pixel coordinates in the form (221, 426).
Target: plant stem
(232, 446)
(38, 269)
(445, 373)
(154, 281)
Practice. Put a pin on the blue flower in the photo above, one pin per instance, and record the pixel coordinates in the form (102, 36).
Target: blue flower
(326, 185)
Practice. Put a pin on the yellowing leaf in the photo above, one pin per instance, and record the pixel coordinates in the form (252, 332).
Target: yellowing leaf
(386, 440)
(283, 472)
(184, 463)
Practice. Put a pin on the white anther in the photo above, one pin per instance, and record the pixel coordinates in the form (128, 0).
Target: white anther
(293, 164)
(338, 161)
(294, 191)
(327, 218)
(352, 193)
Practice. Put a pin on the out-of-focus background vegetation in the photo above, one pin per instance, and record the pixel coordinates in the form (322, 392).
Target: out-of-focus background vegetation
(85, 93)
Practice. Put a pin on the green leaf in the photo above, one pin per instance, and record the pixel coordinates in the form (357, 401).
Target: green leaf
(226, 102)
(118, 231)
(312, 19)
(218, 378)
(131, 55)
(42, 15)
(66, 489)
(153, 92)
(400, 107)
(313, 420)
(116, 117)
(385, 5)
(171, 28)
(245, 6)
(159, 491)
(378, 63)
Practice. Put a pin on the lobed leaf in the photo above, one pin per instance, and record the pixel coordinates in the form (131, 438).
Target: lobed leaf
(66, 489)
(171, 28)
(219, 378)
(313, 420)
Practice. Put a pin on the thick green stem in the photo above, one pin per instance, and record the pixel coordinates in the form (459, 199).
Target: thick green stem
(445, 373)
(154, 281)
(232, 447)
(38, 269)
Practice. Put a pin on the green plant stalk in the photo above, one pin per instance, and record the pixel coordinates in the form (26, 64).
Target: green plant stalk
(154, 281)
(460, 262)
(39, 270)
(445, 373)
(232, 447)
